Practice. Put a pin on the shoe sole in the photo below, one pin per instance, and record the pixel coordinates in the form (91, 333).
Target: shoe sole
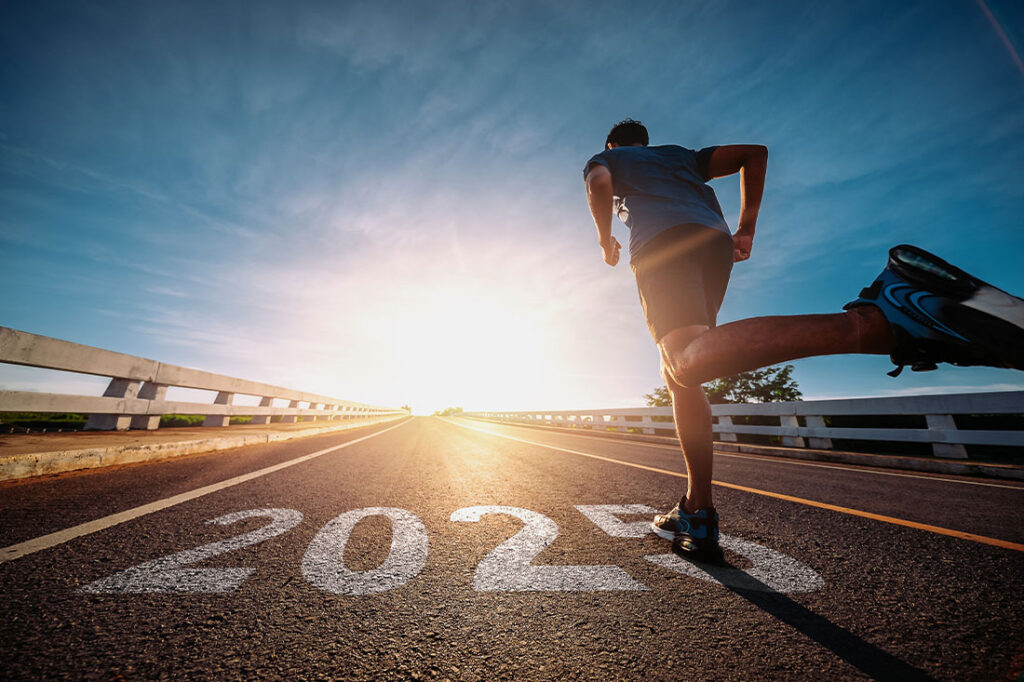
(712, 555)
(980, 325)
(679, 546)
(666, 534)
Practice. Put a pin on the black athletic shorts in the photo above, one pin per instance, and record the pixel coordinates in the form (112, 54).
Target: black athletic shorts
(682, 274)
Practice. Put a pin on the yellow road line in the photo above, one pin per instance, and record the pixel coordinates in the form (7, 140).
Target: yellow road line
(938, 530)
(62, 536)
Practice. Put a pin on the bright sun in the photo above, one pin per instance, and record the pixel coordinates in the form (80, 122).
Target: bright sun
(470, 350)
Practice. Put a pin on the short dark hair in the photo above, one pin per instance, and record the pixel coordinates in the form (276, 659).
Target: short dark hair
(627, 132)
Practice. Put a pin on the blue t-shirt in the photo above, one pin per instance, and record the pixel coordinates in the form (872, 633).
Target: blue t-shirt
(660, 187)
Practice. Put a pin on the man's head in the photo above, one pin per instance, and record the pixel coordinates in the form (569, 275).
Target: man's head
(626, 133)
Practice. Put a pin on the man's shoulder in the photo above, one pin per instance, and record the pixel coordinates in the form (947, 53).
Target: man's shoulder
(672, 149)
(662, 151)
(623, 158)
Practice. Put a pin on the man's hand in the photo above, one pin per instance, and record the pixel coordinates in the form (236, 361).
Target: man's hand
(600, 196)
(751, 162)
(611, 251)
(742, 244)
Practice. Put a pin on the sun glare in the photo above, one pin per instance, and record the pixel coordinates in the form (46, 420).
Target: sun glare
(470, 350)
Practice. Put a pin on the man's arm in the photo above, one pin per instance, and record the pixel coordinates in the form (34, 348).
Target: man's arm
(599, 196)
(751, 162)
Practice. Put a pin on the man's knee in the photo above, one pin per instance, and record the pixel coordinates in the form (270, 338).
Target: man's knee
(682, 373)
(666, 376)
(680, 364)
(679, 381)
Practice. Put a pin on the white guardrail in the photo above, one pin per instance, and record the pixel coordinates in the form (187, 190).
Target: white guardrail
(802, 424)
(136, 395)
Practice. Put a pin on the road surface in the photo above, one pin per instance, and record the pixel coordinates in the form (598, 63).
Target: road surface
(467, 550)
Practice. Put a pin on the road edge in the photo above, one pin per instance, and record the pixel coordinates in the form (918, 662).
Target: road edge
(33, 464)
(904, 463)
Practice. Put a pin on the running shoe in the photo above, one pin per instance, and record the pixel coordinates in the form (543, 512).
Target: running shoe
(939, 313)
(694, 535)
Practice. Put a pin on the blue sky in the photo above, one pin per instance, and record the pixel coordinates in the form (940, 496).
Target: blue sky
(383, 201)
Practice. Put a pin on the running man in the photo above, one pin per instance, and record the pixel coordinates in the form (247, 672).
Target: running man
(920, 310)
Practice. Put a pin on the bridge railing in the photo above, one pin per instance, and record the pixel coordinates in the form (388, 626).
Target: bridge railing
(804, 424)
(136, 396)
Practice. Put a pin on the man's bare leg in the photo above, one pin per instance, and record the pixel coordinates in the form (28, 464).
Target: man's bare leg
(693, 424)
(760, 341)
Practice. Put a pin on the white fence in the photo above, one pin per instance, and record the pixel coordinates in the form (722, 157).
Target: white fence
(802, 424)
(136, 395)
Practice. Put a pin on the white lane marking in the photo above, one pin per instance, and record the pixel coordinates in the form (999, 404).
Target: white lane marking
(167, 574)
(768, 459)
(53, 539)
(508, 567)
(772, 571)
(324, 562)
(603, 516)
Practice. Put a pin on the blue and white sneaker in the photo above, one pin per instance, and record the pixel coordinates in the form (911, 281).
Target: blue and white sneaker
(694, 535)
(939, 313)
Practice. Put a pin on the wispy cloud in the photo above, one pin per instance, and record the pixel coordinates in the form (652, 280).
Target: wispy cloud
(320, 210)
(955, 388)
(166, 291)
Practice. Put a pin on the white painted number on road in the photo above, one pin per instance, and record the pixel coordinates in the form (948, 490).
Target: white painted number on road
(604, 517)
(508, 567)
(167, 574)
(772, 571)
(324, 563)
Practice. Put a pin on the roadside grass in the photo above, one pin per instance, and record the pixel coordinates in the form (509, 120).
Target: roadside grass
(22, 422)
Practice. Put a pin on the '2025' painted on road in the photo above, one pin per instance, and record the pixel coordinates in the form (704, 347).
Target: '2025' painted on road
(508, 568)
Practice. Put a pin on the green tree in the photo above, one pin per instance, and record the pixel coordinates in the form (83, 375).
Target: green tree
(768, 385)
(448, 412)
(406, 408)
(659, 397)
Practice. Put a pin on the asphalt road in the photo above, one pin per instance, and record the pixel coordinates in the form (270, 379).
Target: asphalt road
(467, 550)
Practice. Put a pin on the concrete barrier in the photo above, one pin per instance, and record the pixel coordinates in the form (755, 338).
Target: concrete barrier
(136, 394)
(67, 457)
(938, 413)
(934, 465)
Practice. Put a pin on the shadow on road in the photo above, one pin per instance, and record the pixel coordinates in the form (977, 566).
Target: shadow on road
(866, 657)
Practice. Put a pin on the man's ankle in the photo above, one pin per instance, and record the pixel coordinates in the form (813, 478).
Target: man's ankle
(691, 505)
